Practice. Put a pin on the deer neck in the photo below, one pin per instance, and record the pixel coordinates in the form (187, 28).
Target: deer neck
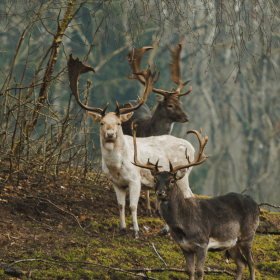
(160, 123)
(114, 152)
(177, 210)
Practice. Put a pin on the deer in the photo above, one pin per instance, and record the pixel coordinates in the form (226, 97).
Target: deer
(227, 222)
(117, 148)
(168, 111)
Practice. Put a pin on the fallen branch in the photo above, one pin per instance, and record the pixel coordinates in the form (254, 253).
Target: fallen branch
(268, 204)
(158, 254)
(83, 263)
(129, 271)
(207, 271)
(269, 232)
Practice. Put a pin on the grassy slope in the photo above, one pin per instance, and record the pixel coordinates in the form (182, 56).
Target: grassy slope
(32, 228)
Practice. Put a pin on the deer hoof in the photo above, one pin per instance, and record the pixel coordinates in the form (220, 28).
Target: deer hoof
(136, 234)
(163, 232)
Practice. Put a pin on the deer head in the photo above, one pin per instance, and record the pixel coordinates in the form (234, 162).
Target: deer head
(166, 180)
(110, 123)
(170, 104)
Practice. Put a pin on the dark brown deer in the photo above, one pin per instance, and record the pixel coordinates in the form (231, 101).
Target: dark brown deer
(169, 110)
(227, 222)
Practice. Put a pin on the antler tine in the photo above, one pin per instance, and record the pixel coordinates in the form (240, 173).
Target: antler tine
(134, 58)
(175, 69)
(175, 66)
(184, 93)
(75, 69)
(150, 80)
(149, 165)
(201, 157)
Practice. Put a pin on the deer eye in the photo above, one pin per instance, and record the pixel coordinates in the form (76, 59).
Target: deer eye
(101, 123)
(155, 180)
(169, 106)
(172, 181)
(119, 123)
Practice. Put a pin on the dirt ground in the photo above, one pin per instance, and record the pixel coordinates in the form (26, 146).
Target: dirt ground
(45, 224)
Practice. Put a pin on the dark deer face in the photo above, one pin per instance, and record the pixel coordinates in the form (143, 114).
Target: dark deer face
(164, 183)
(172, 108)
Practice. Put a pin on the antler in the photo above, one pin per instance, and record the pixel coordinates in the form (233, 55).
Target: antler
(148, 165)
(134, 58)
(175, 69)
(149, 81)
(200, 158)
(75, 69)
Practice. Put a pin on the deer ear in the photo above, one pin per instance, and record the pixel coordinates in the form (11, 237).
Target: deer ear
(95, 117)
(159, 98)
(180, 174)
(152, 172)
(126, 117)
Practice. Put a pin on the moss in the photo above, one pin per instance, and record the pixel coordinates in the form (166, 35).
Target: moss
(271, 266)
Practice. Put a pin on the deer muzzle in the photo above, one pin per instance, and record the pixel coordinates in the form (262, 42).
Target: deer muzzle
(110, 136)
(160, 194)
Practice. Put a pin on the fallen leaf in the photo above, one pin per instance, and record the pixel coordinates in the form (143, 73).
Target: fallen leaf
(82, 219)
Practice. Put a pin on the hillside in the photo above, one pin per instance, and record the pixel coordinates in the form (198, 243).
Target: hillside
(39, 231)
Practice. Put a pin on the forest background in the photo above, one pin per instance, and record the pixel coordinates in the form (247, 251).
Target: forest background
(230, 52)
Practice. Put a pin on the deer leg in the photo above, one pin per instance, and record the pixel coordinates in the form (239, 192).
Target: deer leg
(121, 193)
(239, 261)
(201, 254)
(189, 257)
(134, 194)
(246, 249)
(148, 205)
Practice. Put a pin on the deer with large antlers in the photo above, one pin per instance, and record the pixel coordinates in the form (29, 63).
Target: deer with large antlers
(117, 148)
(168, 111)
(227, 222)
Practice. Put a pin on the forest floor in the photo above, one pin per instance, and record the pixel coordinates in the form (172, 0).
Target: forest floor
(69, 229)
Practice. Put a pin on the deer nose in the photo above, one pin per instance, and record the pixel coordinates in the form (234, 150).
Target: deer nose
(185, 118)
(110, 134)
(160, 193)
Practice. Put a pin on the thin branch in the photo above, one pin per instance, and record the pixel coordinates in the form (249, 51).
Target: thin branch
(268, 204)
(158, 254)
(207, 271)
(84, 263)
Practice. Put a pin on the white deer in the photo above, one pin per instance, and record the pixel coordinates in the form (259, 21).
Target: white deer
(117, 148)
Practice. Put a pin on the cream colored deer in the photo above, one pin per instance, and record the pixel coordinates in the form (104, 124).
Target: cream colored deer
(117, 148)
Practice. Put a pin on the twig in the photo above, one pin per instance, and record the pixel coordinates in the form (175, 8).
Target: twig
(40, 222)
(269, 232)
(218, 271)
(268, 204)
(76, 219)
(84, 263)
(245, 190)
(158, 254)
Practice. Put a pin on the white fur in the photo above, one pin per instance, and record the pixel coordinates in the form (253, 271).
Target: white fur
(117, 158)
(215, 244)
